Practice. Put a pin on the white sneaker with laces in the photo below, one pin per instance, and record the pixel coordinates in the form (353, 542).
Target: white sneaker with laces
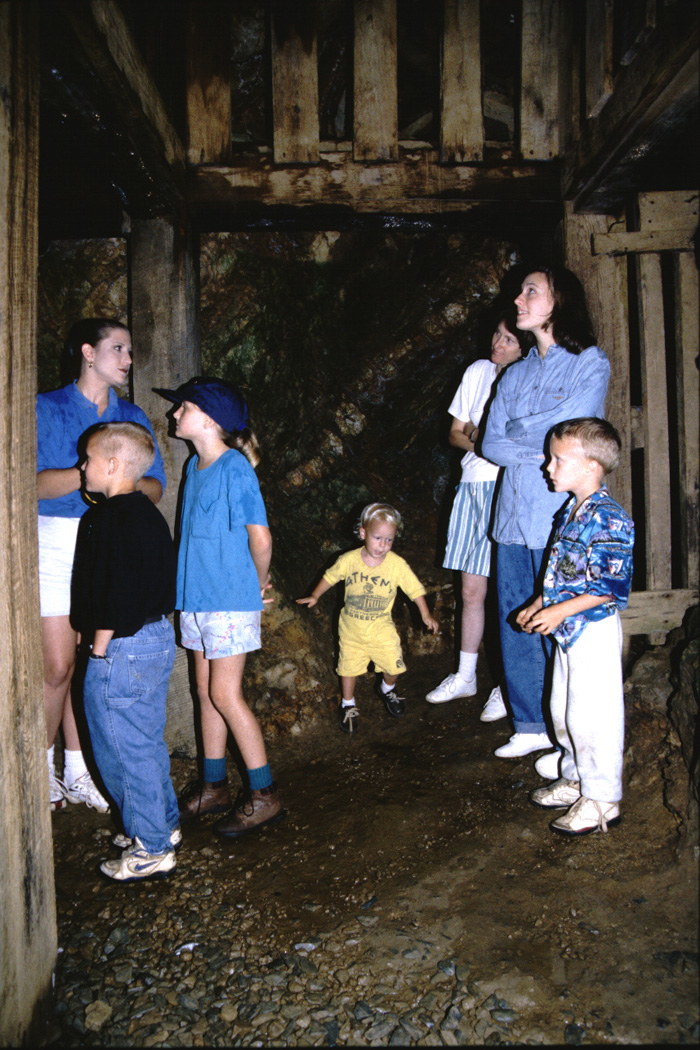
(523, 744)
(124, 842)
(58, 791)
(83, 790)
(452, 688)
(495, 707)
(548, 765)
(587, 815)
(559, 795)
(137, 863)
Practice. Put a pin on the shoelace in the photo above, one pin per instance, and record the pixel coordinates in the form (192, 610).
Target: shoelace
(85, 789)
(349, 718)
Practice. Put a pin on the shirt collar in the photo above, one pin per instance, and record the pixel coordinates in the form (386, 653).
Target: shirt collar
(85, 402)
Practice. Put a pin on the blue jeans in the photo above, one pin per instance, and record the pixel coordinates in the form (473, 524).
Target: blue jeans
(125, 698)
(525, 656)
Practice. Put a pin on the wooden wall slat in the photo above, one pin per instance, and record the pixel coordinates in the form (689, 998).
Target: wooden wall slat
(208, 81)
(375, 92)
(539, 98)
(687, 296)
(295, 83)
(461, 116)
(656, 443)
(599, 54)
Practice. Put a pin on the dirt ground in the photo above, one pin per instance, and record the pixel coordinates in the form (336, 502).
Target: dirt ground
(411, 866)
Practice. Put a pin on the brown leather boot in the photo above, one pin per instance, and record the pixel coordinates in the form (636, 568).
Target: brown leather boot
(201, 797)
(252, 810)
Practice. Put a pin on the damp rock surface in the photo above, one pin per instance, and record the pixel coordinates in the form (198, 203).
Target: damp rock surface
(399, 903)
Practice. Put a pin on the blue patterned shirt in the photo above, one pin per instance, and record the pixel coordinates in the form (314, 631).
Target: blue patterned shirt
(590, 554)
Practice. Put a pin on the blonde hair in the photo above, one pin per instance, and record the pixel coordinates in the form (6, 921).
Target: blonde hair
(382, 512)
(132, 443)
(244, 441)
(598, 439)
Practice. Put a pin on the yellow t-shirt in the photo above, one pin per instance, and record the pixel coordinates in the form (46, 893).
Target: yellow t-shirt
(370, 592)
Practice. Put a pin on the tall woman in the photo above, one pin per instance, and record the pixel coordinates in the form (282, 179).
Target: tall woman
(100, 350)
(564, 375)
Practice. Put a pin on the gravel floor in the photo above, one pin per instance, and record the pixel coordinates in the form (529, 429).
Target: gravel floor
(413, 896)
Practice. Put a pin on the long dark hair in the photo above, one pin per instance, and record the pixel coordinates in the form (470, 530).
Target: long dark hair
(570, 322)
(90, 330)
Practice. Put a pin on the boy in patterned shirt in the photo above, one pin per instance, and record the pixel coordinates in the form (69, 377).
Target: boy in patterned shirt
(366, 631)
(586, 581)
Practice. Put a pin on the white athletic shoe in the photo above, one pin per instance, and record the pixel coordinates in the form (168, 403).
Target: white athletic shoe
(83, 790)
(495, 707)
(523, 744)
(548, 765)
(58, 792)
(587, 815)
(452, 688)
(138, 863)
(560, 795)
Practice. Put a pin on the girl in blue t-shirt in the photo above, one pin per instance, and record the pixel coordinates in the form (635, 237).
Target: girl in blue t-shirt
(222, 575)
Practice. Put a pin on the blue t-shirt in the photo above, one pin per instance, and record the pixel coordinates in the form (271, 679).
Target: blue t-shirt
(215, 569)
(62, 416)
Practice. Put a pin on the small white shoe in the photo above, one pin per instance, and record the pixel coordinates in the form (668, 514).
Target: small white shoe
(548, 765)
(452, 688)
(587, 815)
(58, 792)
(137, 863)
(495, 707)
(523, 744)
(83, 790)
(124, 842)
(559, 795)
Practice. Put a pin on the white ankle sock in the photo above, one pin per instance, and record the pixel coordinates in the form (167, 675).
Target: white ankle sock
(387, 688)
(467, 665)
(50, 758)
(348, 703)
(74, 767)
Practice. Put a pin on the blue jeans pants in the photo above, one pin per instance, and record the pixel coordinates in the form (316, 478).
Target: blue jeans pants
(525, 656)
(125, 697)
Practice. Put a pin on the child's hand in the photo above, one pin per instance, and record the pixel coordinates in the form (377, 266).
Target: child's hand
(431, 624)
(307, 601)
(267, 586)
(544, 621)
(524, 615)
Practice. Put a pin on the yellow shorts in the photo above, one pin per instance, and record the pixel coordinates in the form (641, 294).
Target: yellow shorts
(383, 650)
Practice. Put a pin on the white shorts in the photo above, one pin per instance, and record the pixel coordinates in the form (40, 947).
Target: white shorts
(57, 538)
(218, 634)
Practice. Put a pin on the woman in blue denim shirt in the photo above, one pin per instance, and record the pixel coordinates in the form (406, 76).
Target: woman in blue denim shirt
(563, 376)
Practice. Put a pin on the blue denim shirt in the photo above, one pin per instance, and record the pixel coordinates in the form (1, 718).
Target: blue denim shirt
(590, 554)
(531, 397)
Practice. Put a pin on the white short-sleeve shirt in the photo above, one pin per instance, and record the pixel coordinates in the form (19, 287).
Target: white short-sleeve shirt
(468, 403)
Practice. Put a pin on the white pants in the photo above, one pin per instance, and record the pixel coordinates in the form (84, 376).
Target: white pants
(588, 709)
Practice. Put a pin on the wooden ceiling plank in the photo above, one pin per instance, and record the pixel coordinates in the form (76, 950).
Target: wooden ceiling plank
(208, 82)
(461, 116)
(295, 83)
(539, 92)
(376, 135)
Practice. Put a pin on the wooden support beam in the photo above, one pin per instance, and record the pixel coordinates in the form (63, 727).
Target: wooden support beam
(687, 296)
(208, 81)
(164, 292)
(376, 135)
(656, 612)
(295, 82)
(623, 242)
(539, 92)
(657, 499)
(605, 282)
(112, 54)
(28, 914)
(599, 55)
(461, 116)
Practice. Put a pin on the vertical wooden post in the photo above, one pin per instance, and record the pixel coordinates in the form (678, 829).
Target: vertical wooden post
(539, 98)
(295, 83)
(165, 333)
(688, 401)
(461, 115)
(599, 54)
(28, 914)
(376, 135)
(604, 278)
(656, 443)
(208, 72)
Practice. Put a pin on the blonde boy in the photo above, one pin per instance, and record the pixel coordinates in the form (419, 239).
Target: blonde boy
(586, 582)
(366, 631)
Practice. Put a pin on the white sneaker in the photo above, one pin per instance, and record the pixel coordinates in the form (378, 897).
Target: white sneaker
(559, 795)
(83, 790)
(58, 791)
(495, 707)
(548, 765)
(138, 863)
(123, 842)
(587, 815)
(523, 744)
(452, 688)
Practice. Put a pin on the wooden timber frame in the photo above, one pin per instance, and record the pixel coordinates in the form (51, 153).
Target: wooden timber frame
(580, 124)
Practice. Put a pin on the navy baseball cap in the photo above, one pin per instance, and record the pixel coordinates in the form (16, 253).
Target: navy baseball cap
(217, 398)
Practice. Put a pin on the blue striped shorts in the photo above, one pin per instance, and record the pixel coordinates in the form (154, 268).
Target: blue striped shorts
(468, 546)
